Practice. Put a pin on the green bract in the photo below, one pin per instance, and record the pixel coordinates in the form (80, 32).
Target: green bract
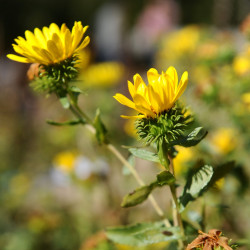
(168, 126)
(55, 78)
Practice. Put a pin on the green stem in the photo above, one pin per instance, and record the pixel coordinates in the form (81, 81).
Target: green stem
(75, 109)
(176, 208)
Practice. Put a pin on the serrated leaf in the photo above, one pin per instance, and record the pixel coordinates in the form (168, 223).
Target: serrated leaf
(144, 154)
(197, 135)
(68, 123)
(165, 178)
(196, 184)
(143, 234)
(65, 102)
(141, 194)
(101, 131)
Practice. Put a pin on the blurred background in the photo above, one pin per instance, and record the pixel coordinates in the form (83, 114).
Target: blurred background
(58, 188)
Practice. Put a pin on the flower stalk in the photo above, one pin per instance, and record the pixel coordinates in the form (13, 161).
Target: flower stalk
(176, 208)
(76, 110)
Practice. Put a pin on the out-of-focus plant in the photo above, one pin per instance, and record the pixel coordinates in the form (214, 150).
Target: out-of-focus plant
(162, 124)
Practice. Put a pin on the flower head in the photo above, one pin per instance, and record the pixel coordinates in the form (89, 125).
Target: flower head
(158, 96)
(50, 45)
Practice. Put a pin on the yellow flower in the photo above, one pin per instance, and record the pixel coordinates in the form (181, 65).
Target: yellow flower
(179, 43)
(50, 45)
(65, 161)
(246, 100)
(159, 95)
(241, 65)
(224, 140)
(183, 157)
(104, 74)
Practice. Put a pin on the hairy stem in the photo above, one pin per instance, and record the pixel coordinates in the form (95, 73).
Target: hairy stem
(75, 109)
(176, 209)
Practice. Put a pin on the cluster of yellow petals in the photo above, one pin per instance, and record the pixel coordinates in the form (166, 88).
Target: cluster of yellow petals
(50, 45)
(159, 95)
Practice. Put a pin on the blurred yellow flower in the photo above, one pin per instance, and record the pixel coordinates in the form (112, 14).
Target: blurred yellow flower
(129, 128)
(180, 42)
(220, 183)
(241, 65)
(246, 100)
(159, 95)
(224, 140)
(84, 58)
(103, 74)
(184, 155)
(65, 161)
(50, 45)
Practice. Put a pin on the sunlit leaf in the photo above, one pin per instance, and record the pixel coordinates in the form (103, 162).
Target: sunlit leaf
(143, 234)
(197, 135)
(197, 183)
(144, 154)
(101, 131)
(141, 194)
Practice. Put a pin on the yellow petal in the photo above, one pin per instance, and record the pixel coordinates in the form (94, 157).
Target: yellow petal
(31, 39)
(18, 58)
(141, 89)
(40, 37)
(53, 50)
(137, 81)
(142, 105)
(170, 89)
(131, 89)
(46, 32)
(63, 28)
(182, 86)
(171, 71)
(83, 44)
(154, 99)
(53, 28)
(67, 42)
(153, 76)
(133, 116)
(57, 40)
(124, 100)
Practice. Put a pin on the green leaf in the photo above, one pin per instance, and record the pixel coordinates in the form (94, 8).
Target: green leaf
(143, 234)
(163, 153)
(68, 123)
(141, 194)
(144, 154)
(138, 195)
(65, 102)
(75, 89)
(165, 178)
(192, 139)
(101, 131)
(75, 93)
(196, 184)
